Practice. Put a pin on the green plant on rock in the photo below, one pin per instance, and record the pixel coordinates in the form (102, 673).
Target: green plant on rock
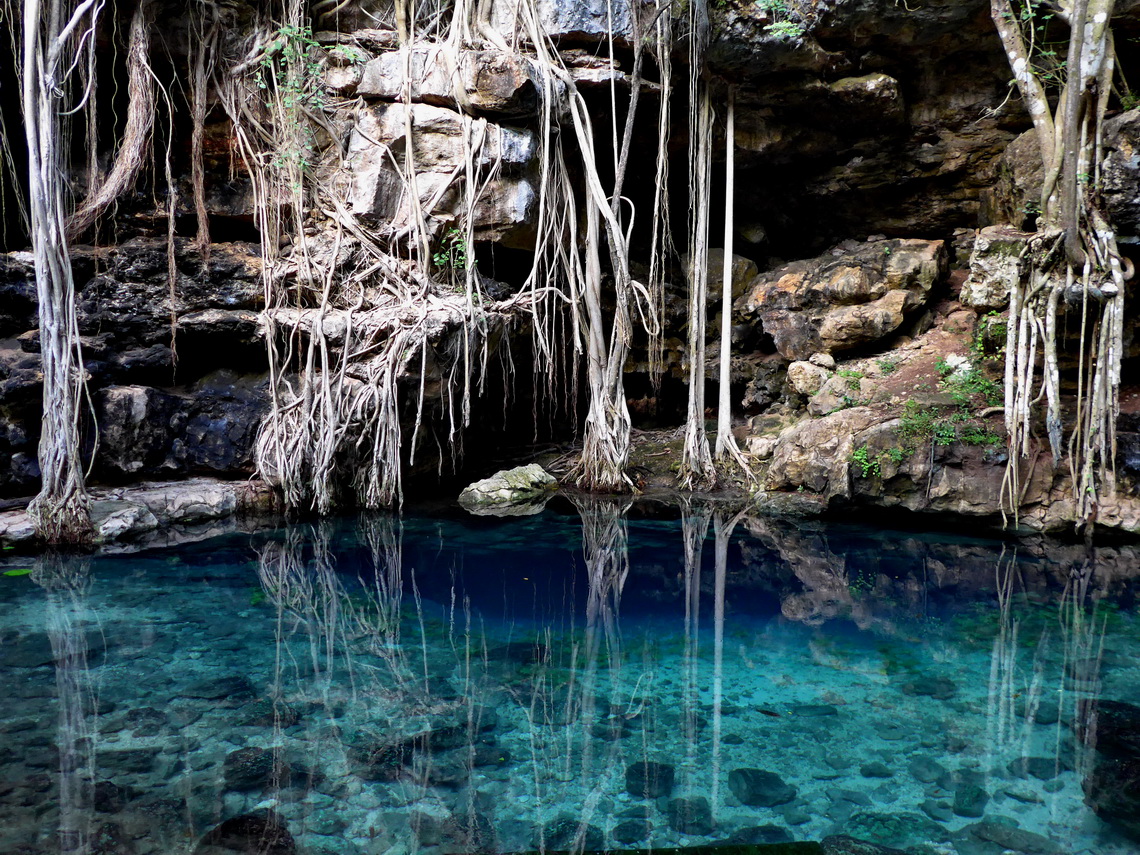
(887, 366)
(868, 464)
(451, 256)
(989, 337)
(851, 376)
(290, 68)
(785, 30)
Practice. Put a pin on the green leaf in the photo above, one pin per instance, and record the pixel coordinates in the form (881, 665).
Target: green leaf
(19, 571)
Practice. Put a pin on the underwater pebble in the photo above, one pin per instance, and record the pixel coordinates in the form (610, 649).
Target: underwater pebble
(938, 810)
(1024, 795)
(926, 769)
(876, 770)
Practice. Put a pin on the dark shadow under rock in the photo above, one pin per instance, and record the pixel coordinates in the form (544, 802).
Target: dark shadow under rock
(262, 833)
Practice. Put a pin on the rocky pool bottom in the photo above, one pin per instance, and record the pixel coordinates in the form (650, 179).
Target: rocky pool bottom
(449, 684)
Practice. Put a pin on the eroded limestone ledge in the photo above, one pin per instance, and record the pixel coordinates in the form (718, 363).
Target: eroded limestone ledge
(160, 513)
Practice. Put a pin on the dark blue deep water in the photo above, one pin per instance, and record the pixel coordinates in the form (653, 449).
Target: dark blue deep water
(450, 684)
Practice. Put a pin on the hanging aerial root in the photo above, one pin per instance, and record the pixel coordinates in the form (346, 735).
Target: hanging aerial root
(136, 134)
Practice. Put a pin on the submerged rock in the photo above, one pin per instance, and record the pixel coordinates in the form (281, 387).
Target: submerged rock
(1042, 768)
(233, 689)
(939, 688)
(632, 831)
(758, 788)
(902, 830)
(970, 800)
(764, 835)
(926, 769)
(250, 769)
(517, 491)
(649, 780)
(876, 770)
(262, 833)
(567, 833)
(1112, 790)
(841, 844)
(1012, 838)
(691, 816)
(1114, 728)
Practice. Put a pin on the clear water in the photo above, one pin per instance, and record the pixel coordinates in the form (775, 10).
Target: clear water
(458, 684)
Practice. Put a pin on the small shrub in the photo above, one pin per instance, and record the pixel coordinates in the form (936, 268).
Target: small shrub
(851, 376)
(868, 465)
(785, 30)
(451, 257)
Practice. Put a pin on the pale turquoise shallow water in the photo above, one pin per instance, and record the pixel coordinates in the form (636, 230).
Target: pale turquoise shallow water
(449, 684)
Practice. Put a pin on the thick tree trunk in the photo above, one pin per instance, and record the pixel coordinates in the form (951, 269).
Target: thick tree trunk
(60, 511)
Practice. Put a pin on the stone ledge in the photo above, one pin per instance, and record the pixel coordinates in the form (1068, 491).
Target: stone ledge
(160, 511)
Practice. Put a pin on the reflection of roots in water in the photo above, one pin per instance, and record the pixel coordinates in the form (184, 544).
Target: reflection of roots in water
(1016, 696)
(1082, 637)
(66, 582)
(573, 752)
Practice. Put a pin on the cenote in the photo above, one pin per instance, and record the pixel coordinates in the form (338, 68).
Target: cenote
(442, 683)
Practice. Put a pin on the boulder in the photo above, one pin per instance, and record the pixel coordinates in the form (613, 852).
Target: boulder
(994, 267)
(523, 486)
(816, 454)
(851, 297)
(759, 788)
(506, 207)
(487, 82)
(807, 378)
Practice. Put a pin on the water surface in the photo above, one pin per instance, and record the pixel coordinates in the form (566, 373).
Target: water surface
(449, 684)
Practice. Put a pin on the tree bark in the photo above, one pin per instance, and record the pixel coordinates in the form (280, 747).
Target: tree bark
(60, 511)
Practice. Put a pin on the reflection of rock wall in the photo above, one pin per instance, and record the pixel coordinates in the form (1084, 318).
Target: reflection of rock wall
(886, 582)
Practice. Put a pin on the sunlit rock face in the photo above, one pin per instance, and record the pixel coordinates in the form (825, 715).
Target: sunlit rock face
(440, 137)
(578, 20)
(485, 82)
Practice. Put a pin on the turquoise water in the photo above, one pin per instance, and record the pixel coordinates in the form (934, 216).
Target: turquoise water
(448, 684)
